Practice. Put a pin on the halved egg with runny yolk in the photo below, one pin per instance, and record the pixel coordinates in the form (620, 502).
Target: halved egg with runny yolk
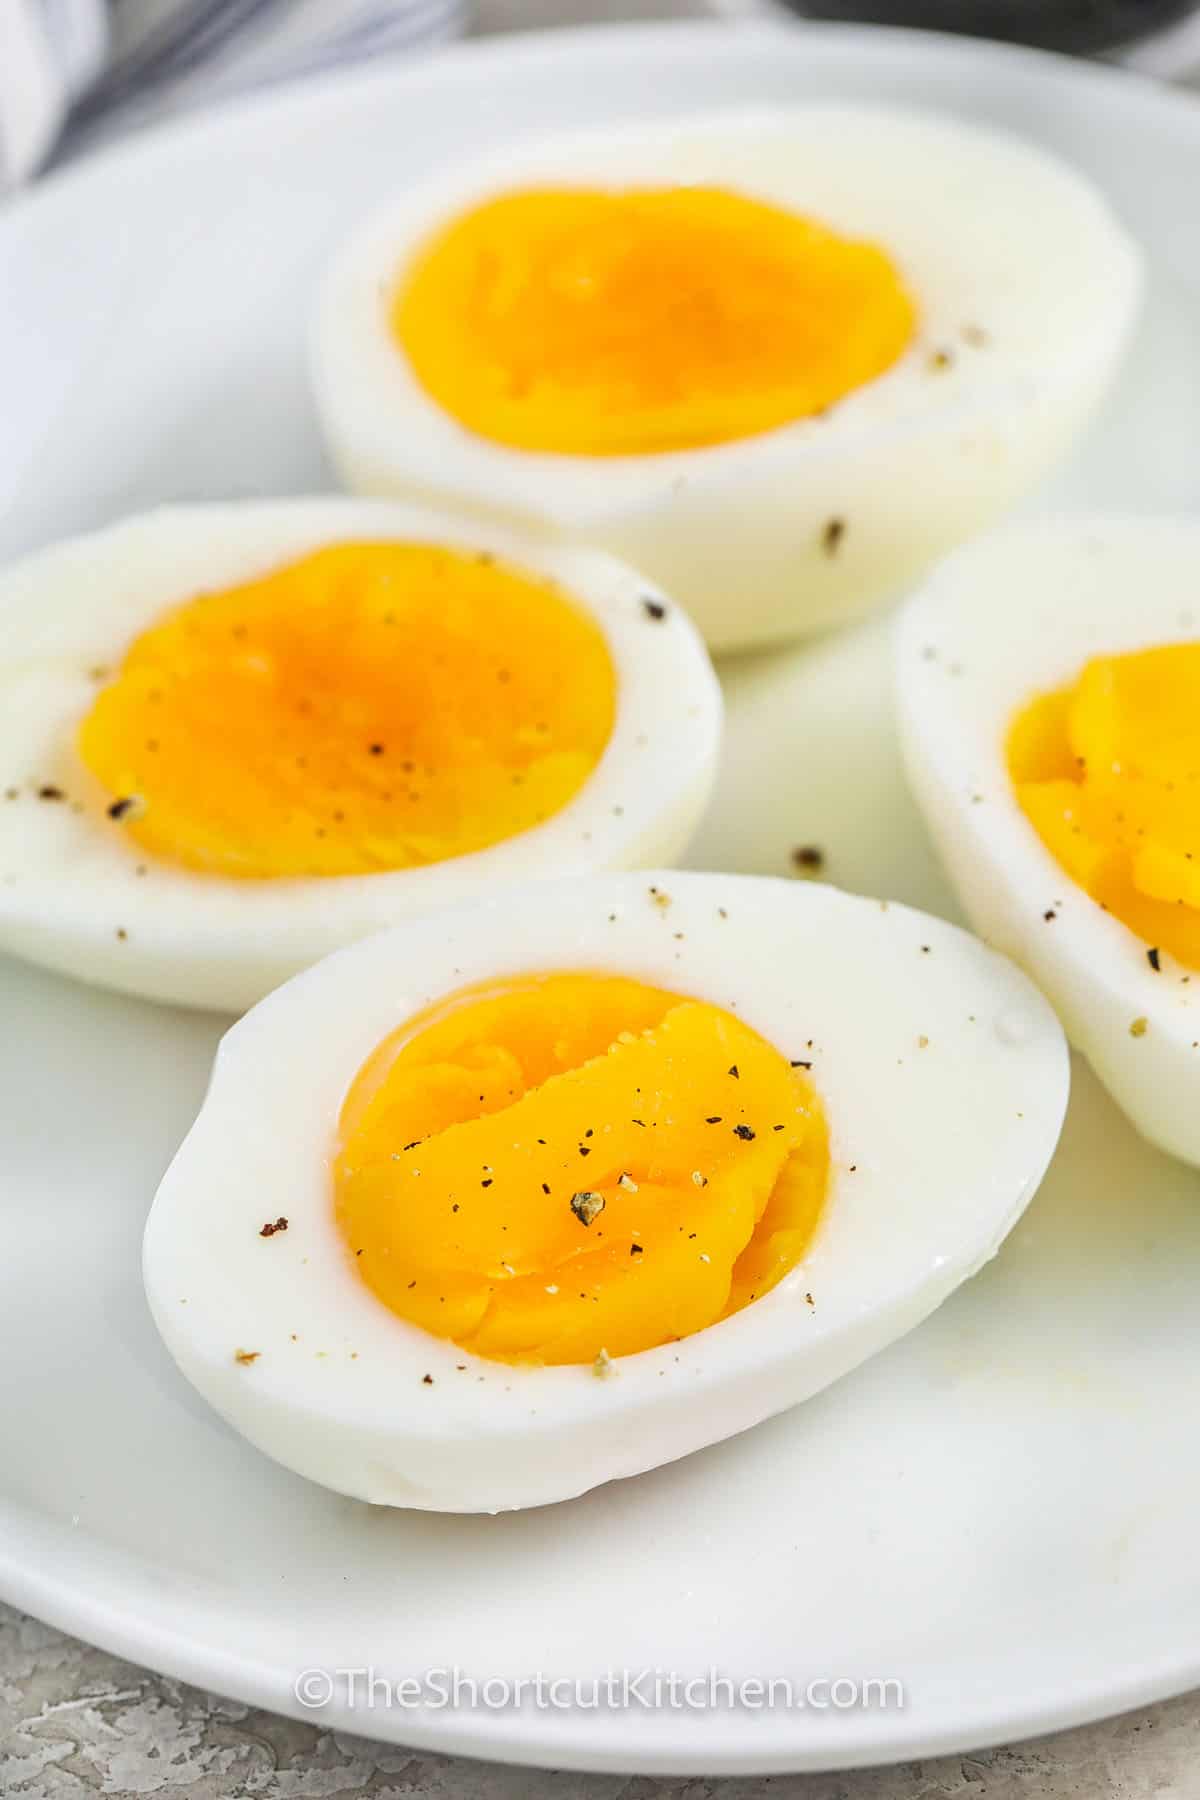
(1107, 770)
(560, 1167)
(780, 358)
(368, 706)
(236, 738)
(606, 323)
(563, 1184)
(1049, 705)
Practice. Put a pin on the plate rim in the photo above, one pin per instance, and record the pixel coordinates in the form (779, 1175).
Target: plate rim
(170, 1648)
(455, 61)
(170, 1651)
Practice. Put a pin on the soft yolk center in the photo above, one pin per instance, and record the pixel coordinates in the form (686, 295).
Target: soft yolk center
(554, 1166)
(373, 706)
(1108, 772)
(600, 323)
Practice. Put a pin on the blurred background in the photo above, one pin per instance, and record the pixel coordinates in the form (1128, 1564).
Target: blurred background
(75, 73)
(1083, 26)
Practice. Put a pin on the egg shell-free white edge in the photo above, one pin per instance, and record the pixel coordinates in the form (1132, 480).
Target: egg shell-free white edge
(69, 881)
(936, 1150)
(990, 234)
(1007, 618)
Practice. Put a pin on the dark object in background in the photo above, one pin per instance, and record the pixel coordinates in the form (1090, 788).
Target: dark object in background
(1078, 25)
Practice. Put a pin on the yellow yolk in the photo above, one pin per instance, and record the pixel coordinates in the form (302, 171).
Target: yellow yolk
(549, 1167)
(1108, 772)
(597, 323)
(369, 707)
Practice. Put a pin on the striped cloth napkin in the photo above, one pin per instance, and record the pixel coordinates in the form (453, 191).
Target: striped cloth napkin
(73, 72)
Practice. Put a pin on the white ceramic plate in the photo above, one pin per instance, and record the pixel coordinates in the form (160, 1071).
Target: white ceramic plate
(1000, 1511)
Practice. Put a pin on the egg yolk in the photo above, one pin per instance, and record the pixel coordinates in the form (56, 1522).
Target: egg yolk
(372, 706)
(1108, 772)
(552, 1167)
(608, 323)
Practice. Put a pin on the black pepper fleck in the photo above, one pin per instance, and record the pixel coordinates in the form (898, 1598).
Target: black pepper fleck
(832, 535)
(587, 1206)
(808, 858)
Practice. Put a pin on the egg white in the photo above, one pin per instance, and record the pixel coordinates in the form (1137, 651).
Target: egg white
(805, 526)
(999, 622)
(78, 895)
(943, 1074)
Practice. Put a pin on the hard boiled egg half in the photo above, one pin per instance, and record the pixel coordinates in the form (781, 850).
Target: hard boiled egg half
(233, 738)
(564, 1184)
(1049, 692)
(779, 359)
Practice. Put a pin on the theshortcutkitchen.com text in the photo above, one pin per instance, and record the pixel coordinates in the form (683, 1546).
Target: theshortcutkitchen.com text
(367, 1689)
